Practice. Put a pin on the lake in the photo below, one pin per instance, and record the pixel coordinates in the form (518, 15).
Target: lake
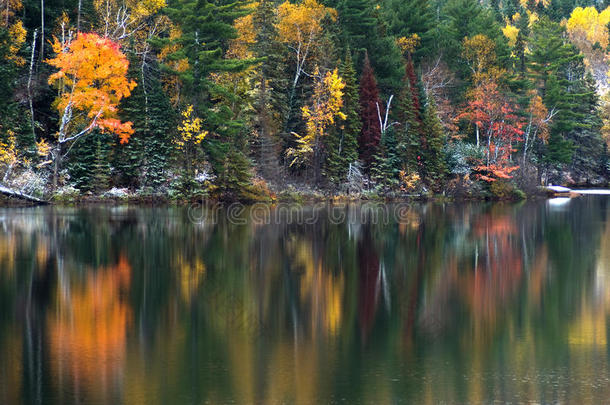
(359, 304)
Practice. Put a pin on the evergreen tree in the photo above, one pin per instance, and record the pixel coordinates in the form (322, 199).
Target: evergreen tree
(271, 96)
(409, 133)
(89, 164)
(13, 118)
(434, 158)
(144, 160)
(206, 29)
(467, 18)
(370, 107)
(362, 31)
(588, 145)
(406, 18)
(557, 70)
(386, 167)
(342, 142)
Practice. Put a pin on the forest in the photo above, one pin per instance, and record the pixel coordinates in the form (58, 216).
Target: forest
(252, 101)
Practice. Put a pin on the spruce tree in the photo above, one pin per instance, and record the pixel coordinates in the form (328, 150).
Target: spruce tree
(13, 116)
(434, 159)
(270, 99)
(144, 160)
(409, 132)
(467, 18)
(406, 18)
(588, 145)
(207, 27)
(557, 70)
(386, 166)
(89, 164)
(370, 107)
(363, 31)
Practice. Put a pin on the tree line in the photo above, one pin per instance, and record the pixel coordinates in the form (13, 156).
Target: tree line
(239, 99)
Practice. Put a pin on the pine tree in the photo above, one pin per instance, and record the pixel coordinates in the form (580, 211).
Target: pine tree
(144, 160)
(341, 144)
(271, 96)
(434, 159)
(409, 133)
(370, 107)
(100, 173)
(207, 28)
(406, 18)
(467, 18)
(386, 167)
(557, 70)
(588, 145)
(363, 32)
(89, 164)
(13, 116)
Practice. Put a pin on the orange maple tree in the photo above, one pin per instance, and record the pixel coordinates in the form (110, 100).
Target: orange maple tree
(92, 80)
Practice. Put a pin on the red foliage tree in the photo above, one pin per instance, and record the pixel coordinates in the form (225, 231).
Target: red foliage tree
(495, 117)
(369, 103)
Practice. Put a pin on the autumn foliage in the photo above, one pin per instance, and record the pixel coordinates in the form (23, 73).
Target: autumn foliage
(325, 108)
(496, 119)
(92, 79)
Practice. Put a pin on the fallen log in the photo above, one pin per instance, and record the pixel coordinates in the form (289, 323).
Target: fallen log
(18, 194)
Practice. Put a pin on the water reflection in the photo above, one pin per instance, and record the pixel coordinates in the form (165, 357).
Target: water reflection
(456, 304)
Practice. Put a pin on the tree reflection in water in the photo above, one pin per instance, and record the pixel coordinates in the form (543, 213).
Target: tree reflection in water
(457, 303)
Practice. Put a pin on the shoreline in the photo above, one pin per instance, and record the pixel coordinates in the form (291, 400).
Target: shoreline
(297, 198)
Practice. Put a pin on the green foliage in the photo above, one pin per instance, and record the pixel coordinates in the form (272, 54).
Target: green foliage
(557, 70)
(364, 31)
(409, 131)
(89, 164)
(467, 18)
(387, 165)
(460, 157)
(505, 190)
(434, 159)
(144, 160)
(409, 17)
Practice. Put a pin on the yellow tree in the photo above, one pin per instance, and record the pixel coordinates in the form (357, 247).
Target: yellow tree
(588, 30)
(480, 54)
(326, 104)
(8, 155)
(14, 27)
(510, 32)
(299, 26)
(190, 135)
(91, 80)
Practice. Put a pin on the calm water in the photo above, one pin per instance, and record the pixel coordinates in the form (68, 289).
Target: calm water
(456, 303)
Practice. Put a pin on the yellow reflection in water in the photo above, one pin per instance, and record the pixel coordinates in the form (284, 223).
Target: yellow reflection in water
(7, 253)
(589, 329)
(87, 332)
(191, 274)
(320, 290)
(11, 370)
